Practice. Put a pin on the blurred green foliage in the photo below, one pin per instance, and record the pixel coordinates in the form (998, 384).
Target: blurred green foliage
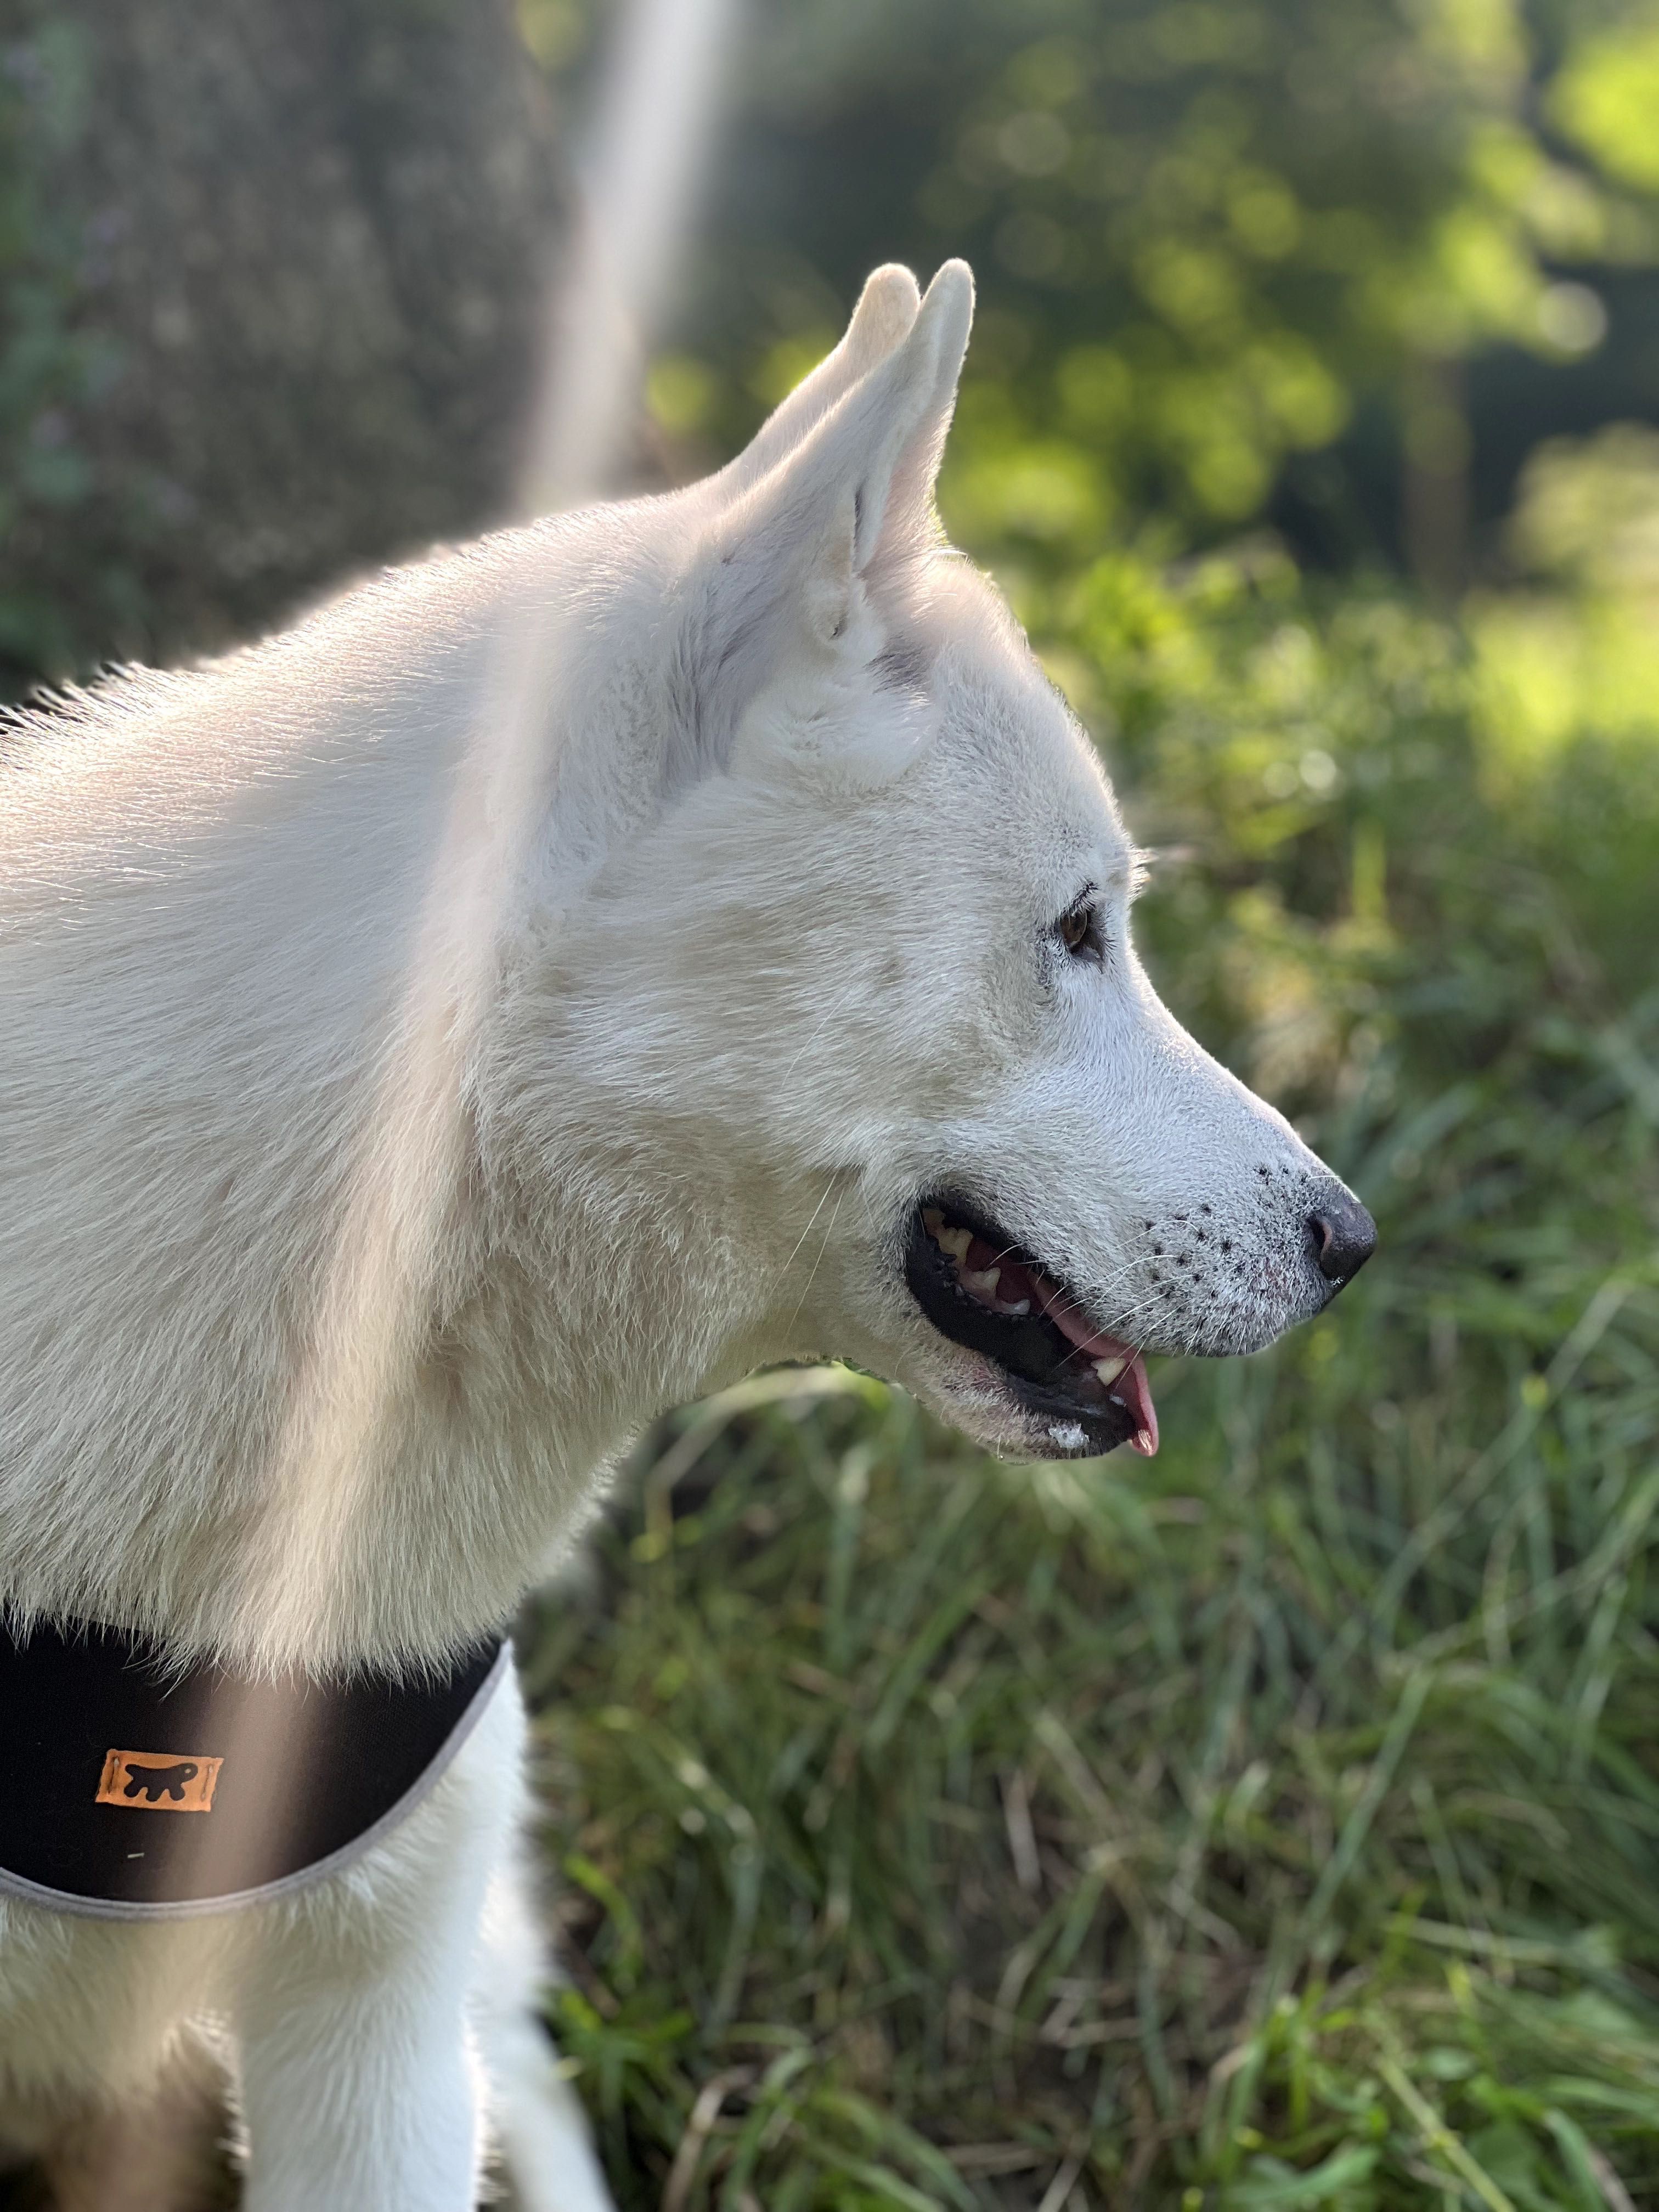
(1234, 253)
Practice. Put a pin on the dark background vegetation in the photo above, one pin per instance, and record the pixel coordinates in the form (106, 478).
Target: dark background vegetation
(1276, 1824)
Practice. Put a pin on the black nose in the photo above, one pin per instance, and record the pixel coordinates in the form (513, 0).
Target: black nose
(1342, 1237)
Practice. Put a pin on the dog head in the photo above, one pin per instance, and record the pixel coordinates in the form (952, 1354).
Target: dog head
(856, 1002)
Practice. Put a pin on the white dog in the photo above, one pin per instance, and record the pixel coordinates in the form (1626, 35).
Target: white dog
(551, 981)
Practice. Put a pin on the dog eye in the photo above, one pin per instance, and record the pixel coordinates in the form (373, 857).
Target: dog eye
(1079, 930)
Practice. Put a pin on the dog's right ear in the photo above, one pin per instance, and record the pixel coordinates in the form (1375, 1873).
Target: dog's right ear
(883, 318)
(787, 575)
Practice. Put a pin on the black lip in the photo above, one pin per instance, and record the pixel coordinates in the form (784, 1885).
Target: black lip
(1043, 1366)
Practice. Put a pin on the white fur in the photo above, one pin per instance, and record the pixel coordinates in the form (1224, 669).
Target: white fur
(536, 989)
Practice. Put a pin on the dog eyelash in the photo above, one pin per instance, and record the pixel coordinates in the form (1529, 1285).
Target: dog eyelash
(1080, 931)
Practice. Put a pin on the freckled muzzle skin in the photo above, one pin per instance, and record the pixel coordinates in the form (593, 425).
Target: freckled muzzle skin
(1217, 1286)
(1223, 1283)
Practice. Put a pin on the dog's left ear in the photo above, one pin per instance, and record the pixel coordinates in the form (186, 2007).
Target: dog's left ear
(886, 310)
(793, 564)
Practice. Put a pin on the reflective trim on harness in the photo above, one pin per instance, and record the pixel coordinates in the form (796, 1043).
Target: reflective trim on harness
(104, 1741)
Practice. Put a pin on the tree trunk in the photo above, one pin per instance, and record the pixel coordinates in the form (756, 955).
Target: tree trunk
(1436, 482)
(272, 278)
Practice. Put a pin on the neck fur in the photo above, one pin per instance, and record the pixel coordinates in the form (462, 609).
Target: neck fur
(298, 1358)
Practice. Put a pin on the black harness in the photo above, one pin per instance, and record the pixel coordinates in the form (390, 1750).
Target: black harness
(132, 1789)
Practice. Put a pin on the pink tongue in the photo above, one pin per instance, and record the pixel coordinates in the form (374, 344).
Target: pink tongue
(1136, 1393)
(1131, 1386)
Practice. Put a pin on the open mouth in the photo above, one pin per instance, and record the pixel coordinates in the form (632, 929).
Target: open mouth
(979, 1288)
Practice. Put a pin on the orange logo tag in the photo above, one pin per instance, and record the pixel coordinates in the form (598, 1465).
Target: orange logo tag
(158, 1782)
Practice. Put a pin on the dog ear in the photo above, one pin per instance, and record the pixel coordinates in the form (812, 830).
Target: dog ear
(783, 577)
(884, 316)
(860, 485)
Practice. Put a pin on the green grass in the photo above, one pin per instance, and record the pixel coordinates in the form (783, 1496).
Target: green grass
(1276, 1824)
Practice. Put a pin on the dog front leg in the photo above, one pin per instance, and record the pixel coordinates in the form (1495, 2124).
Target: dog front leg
(360, 2089)
(364, 2099)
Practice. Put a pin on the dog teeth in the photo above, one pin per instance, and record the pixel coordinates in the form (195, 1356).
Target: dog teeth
(954, 1241)
(1109, 1370)
(1023, 1306)
(934, 1222)
(984, 1284)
